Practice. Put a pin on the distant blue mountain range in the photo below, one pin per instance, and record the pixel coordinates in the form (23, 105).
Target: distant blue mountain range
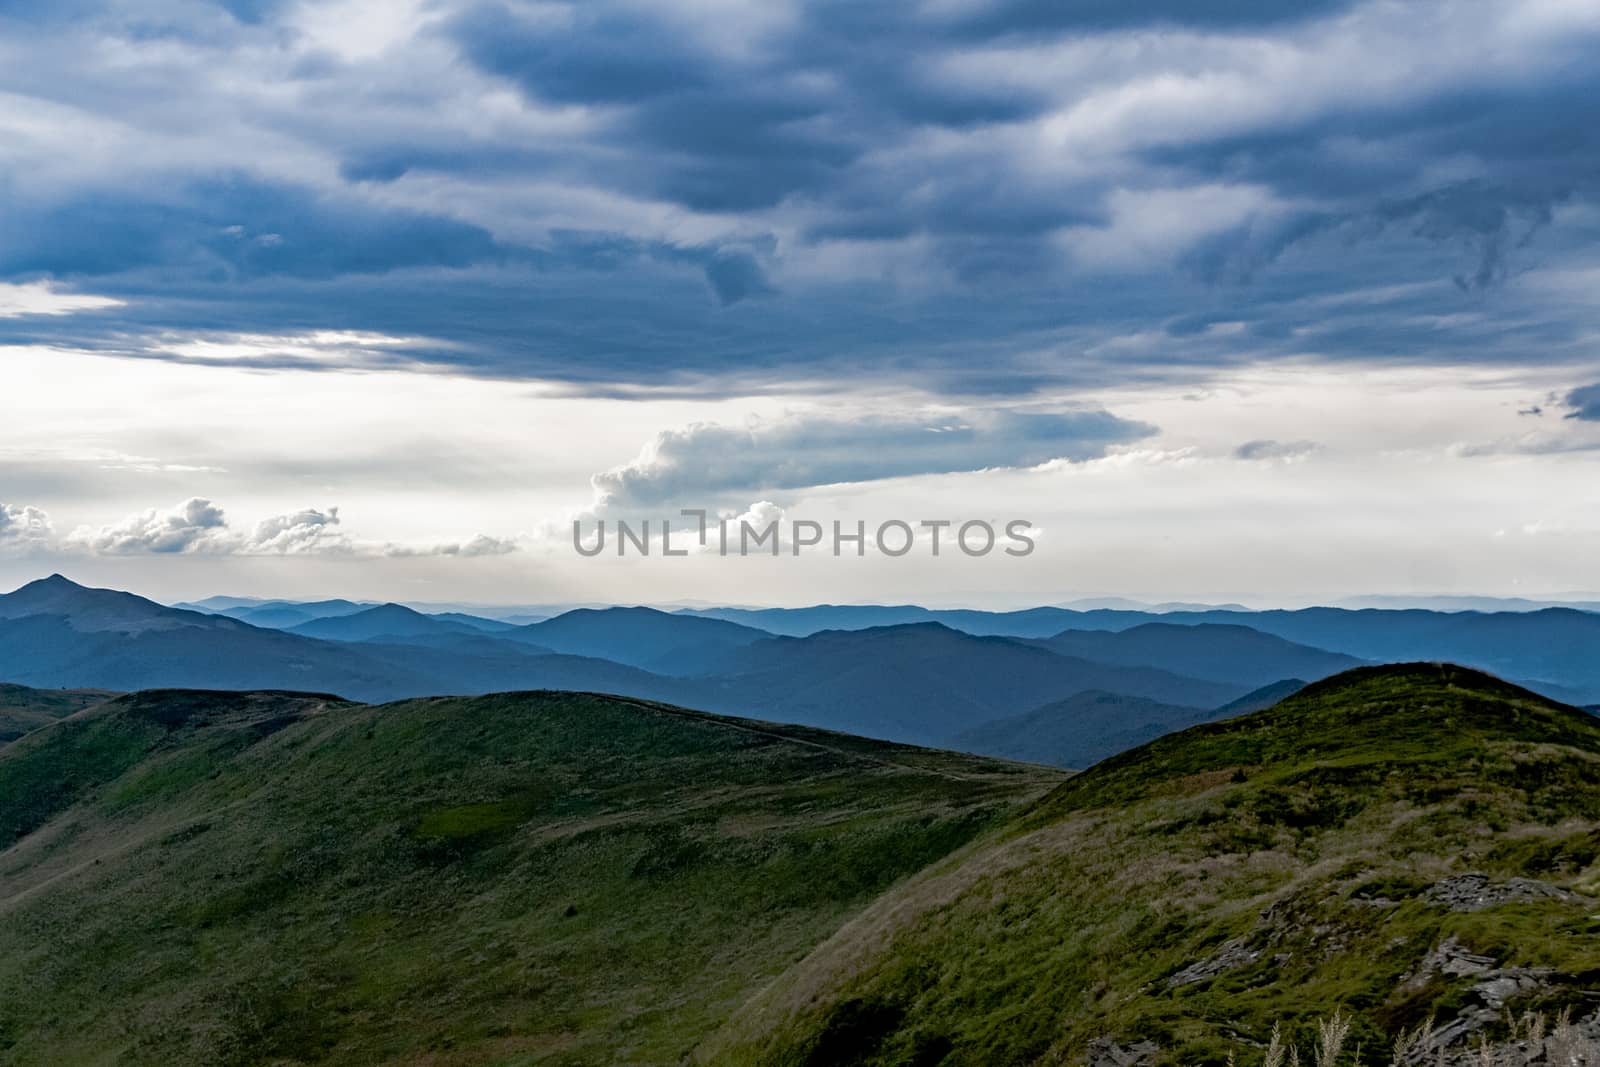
(995, 681)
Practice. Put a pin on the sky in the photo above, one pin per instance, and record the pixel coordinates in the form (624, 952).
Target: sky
(1220, 300)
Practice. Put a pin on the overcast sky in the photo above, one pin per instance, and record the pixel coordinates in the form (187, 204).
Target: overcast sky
(374, 297)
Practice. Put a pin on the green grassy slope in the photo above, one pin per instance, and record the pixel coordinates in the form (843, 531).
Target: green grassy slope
(23, 709)
(537, 878)
(1275, 867)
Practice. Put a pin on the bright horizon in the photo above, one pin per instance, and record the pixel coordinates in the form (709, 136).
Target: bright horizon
(1442, 602)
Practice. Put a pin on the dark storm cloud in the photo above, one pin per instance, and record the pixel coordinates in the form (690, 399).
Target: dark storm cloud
(237, 228)
(965, 197)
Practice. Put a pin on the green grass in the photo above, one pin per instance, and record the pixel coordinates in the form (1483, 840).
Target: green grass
(569, 879)
(1309, 831)
(519, 879)
(23, 710)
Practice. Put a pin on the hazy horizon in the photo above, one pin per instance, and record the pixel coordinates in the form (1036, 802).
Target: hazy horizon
(1071, 601)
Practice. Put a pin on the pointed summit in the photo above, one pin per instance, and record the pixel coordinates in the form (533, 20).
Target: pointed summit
(88, 610)
(43, 595)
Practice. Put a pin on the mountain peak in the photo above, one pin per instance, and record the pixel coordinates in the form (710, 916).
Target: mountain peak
(90, 609)
(55, 588)
(391, 608)
(382, 621)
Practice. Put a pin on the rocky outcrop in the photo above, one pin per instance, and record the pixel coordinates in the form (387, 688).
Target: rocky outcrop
(1494, 987)
(1105, 1052)
(1232, 955)
(1474, 891)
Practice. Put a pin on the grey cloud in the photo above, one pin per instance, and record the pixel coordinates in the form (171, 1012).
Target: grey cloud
(1490, 222)
(1280, 450)
(1585, 403)
(737, 276)
(797, 452)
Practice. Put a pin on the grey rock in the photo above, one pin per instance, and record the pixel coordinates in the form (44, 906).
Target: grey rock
(1105, 1052)
(1230, 956)
(1474, 891)
(1451, 958)
(1505, 985)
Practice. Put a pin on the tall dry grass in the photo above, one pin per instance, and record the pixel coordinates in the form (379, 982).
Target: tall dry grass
(1531, 1041)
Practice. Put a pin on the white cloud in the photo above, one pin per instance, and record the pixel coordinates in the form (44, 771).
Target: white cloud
(309, 530)
(23, 526)
(190, 526)
(199, 527)
(319, 348)
(357, 29)
(481, 545)
(1533, 443)
(42, 298)
(1147, 228)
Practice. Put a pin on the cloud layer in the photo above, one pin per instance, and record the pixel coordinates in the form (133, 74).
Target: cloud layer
(704, 462)
(199, 527)
(986, 197)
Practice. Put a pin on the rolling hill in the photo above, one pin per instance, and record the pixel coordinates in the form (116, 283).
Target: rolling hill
(917, 684)
(23, 710)
(639, 637)
(221, 879)
(54, 632)
(1550, 650)
(922, 682)
(277, 614)
(1412, 848)
(803, 622)
(1214, 651)
(565, 878)
(383, 621)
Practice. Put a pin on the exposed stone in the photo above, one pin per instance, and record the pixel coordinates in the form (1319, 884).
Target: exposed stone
(1230, 956)
(1105, 1052)
(1453, 1045)
(1474, 891)
(1451, 957)
(1486, 1004)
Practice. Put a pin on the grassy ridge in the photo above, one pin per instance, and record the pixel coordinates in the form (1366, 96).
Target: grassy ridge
(23, 709)
(1195, 891)
(530, 878)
